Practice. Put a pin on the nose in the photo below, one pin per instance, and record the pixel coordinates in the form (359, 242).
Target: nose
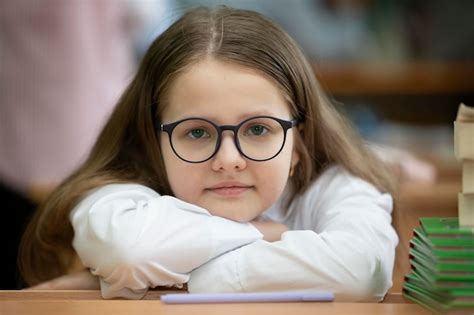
(228, 156)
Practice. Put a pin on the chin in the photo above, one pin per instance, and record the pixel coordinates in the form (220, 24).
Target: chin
(232, 213)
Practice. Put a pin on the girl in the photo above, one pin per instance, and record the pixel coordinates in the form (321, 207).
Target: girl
(223, 138)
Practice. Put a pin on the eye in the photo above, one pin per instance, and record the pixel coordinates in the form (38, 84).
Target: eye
(198, 133)
(257, 130)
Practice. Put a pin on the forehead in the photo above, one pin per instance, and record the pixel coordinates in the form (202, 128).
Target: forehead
(223, 92)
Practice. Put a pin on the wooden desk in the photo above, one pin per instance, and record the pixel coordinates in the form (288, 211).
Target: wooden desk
(89, 302)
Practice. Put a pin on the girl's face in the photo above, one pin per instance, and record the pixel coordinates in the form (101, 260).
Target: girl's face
(227, 185)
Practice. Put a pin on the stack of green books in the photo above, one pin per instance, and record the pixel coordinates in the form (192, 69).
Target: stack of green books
(442, 266)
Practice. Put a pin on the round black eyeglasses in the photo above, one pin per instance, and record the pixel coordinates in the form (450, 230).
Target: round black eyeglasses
(259, 138)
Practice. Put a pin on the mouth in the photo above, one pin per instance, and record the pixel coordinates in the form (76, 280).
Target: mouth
(230, 189)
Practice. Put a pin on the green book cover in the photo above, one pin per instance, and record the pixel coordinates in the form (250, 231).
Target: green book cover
(446, 227)
(461, 279)
(445, 241)
(433, 301)
(441, 264)
(442, 260)
(449, 292)
(442, 298)
(440, 252)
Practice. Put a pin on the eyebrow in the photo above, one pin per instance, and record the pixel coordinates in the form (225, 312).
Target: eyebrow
(239, 118)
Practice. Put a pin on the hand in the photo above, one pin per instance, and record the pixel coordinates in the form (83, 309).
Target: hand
(271, 231)
(82, 280)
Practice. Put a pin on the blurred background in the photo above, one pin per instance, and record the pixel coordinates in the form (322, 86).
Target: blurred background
(398, 69)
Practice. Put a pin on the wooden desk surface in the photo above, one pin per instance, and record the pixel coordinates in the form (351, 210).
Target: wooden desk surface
(89, 302)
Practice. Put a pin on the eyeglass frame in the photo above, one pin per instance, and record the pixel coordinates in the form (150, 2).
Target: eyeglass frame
(285, 124)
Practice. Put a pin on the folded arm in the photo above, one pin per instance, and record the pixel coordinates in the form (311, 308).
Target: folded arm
(133, 239)
(349, 251)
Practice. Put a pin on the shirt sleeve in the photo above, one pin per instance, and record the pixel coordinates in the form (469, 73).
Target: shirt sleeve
(133, 238)
(349, 250)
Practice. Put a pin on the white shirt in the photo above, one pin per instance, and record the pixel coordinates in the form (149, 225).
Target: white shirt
(340, 240)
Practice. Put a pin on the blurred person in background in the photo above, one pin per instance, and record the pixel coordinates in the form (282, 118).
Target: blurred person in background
(63, 65)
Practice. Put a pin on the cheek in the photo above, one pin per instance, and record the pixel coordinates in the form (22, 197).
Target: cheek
(273, 176)
(183, 177)
(185, 181)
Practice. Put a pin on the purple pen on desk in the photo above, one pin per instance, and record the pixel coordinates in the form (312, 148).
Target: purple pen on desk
(203, 298)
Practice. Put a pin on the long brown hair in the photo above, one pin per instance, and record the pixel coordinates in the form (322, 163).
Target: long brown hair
(127, 150)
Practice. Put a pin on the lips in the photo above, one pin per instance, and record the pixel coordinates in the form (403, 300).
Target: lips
(230, 189)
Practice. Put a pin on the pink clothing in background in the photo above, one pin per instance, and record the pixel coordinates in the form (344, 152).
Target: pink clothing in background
(63, 65)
